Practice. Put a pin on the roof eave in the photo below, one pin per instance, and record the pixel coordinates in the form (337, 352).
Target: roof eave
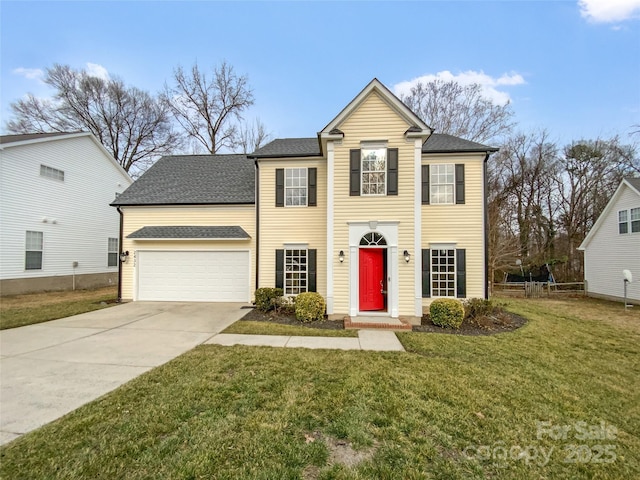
(190, 204)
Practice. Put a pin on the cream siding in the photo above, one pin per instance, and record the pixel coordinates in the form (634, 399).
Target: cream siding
(208, 215)
(460, 224)
(609, 252)
(374, 120)
(280, 225)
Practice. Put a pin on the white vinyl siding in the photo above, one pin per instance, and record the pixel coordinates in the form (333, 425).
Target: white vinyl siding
(112, 255)
(33, 251)
(295, 187)
(442, 184)
(52, 173)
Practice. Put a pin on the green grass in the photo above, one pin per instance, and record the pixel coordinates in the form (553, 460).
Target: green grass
(20, 310)
(268, 328)
(257, 412)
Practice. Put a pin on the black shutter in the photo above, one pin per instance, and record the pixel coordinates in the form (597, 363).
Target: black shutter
(459, 183)
(354, 172)
(279, 187)
(425, 184)
(279, 268)
(312, 182)
(392, 171)
(461, 273)
(426, 273)
(311, 270)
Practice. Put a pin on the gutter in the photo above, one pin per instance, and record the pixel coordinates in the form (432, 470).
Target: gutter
(257, 202)
(486, 227)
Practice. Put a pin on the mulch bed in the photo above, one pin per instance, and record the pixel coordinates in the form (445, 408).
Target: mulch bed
(498, 323)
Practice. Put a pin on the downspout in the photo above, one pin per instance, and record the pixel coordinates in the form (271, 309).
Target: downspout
(120, 250)
(255, 160)
(486, 228)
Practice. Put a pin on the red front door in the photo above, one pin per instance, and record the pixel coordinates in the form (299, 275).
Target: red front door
(372, 279)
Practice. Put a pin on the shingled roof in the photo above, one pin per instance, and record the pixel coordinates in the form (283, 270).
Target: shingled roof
(194, 180)
(309, 147)
(190, 232)
(289, 147)
(444, 143)
(635, 182)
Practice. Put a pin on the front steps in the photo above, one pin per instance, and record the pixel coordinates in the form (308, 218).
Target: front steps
(376, 323)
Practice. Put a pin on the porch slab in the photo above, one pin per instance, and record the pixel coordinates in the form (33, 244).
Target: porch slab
(377, 323)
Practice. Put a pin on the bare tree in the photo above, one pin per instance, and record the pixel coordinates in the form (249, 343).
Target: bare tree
(252, 136)
(459, 110)
(206, 107)
(133, 126)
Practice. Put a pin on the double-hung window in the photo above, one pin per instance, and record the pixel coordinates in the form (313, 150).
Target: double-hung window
(443, 272)
(374, 169)
(635, 220)
(623, 221)
(295, 276)
(442, 184)
(112, 255)
(295, 187)
(33, 251)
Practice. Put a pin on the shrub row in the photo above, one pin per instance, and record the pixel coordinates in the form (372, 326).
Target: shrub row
(308, 306)
(449, 312)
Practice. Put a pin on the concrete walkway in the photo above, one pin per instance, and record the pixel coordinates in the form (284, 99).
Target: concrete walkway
(375, 340)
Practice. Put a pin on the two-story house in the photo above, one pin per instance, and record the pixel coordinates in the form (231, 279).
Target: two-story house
(377, 213)
(57, 229)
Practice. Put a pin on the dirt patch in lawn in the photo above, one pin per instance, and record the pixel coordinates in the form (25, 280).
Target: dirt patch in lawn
(256, 315)
(498, 322)
(341, 452)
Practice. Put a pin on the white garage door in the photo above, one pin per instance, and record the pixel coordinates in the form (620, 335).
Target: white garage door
(193, 276)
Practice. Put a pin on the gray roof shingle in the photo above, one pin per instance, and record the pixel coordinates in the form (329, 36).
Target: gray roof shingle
(289, 147)
(190, 232)
(634, 181)
(444, 143)
(194, 180)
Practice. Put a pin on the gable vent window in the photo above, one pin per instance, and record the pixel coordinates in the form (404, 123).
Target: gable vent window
(52, 173)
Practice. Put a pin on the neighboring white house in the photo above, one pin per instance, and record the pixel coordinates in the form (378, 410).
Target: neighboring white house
(57, 230)
(613, 245)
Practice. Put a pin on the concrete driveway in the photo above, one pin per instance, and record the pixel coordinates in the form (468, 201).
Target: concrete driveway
(52, 368)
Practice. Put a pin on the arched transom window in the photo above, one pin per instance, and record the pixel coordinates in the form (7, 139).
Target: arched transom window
(372, 239)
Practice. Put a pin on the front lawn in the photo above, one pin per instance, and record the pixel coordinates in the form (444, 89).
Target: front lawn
(27, 309)
(558, 398)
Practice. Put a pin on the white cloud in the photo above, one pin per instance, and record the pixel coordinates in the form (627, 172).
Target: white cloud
(29, 73)
(607, 11)
(488, 84)
(95, 70)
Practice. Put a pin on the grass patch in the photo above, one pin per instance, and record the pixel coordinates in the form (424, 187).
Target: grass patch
(266, 328)
(27, 309)
(259, 412)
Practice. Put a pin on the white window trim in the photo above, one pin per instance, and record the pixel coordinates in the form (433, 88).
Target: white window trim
(27, 249)
(109, 251)
(306, 187)
(444, 246)
(374, 146)
(631, 220)
(296, 246)
(51, 173)
(433, 184)
(626, 222)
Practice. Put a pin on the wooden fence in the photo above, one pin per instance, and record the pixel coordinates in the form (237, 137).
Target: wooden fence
(538, 289)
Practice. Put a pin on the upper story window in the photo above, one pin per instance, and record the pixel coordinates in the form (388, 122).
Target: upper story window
(635, 220)
(33, 251)
(442, 184)
(112, 255)
(51, 172)
(623, 221)
(295, 187)
(374, 170)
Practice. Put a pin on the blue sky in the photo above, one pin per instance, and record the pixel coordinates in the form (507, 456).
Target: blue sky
(571, 67)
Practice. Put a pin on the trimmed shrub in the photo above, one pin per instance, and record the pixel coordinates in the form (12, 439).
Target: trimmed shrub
(310, 307)
(478, 307)
(446, 312)
(268, 299)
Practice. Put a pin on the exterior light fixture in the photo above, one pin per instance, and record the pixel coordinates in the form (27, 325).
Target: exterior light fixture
(124, 256)
(407, 257)
(341, 256)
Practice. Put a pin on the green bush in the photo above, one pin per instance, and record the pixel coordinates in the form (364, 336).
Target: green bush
(446, 312)
(268, 299)
(310, 306)
(478, 307)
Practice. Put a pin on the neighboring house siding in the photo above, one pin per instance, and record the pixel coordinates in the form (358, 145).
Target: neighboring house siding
(460, 224)
(207, 215)
(374, 120)
(287, 225)
(74, 214)
(608, 253)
